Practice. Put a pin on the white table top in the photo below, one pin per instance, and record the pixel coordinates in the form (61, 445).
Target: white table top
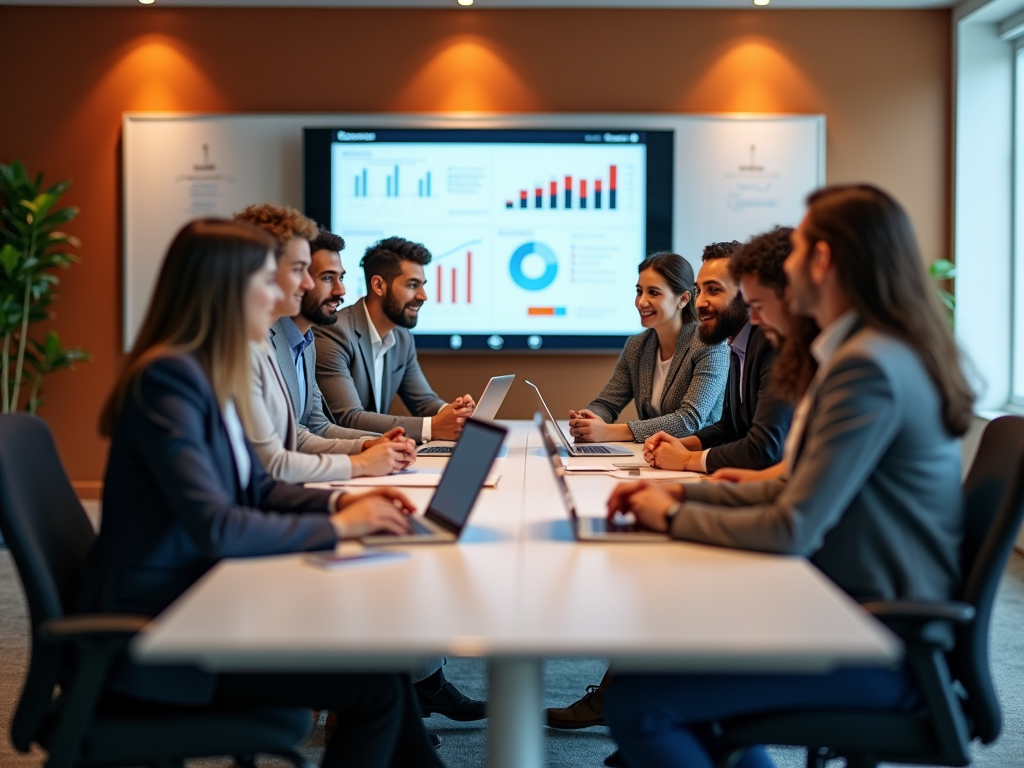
(517, 584)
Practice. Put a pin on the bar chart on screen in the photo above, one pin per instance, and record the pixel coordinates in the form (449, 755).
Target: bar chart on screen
(453, 271)
(567, 192)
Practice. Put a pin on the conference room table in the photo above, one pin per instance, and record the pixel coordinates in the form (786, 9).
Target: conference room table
(518, 588)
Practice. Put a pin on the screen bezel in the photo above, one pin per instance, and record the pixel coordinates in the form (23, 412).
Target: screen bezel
(658, 233)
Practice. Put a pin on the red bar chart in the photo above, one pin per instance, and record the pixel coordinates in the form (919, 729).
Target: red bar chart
(449, 280)
(571, 187)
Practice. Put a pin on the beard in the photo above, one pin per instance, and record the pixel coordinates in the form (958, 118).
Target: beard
(315, 311)
(803, 294)
(395, 312)
(726, 323)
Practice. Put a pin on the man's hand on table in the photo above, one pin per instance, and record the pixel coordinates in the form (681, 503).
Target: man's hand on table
(447, 424)
(648, 502)
(382, 509)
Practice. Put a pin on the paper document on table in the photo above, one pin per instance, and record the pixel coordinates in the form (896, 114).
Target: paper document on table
(407, 478)
(657, 475)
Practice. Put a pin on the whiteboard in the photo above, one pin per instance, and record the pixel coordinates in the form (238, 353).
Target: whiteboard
(735, 175)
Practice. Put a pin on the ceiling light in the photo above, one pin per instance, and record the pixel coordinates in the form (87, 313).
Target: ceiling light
(465, 2)
(761, 2)
(147, 2)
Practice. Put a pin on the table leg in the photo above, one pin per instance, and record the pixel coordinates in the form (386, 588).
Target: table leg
(515, 719)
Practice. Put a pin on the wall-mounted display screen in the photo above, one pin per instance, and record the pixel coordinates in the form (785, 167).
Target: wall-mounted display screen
(535, 234)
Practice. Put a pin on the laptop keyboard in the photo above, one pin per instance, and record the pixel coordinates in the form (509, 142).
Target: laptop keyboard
(611, 527)
(418, 527)
(591, 449)
(442, 450)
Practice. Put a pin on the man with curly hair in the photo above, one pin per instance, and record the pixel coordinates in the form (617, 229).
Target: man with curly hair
(755, 418)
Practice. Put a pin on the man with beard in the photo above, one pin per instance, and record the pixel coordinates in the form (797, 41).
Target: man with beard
(755, 418)
(368, 356)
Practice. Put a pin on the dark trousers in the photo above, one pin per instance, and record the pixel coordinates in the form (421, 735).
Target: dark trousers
(663, 721)
(379, 719)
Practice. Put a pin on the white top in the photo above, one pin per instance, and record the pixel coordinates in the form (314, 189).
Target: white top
(380, 348)
(517, 584)
(658, 385)
(236, 436)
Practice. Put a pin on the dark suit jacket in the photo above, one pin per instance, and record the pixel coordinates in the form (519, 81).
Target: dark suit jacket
(344, 371)
(751, 432)
(874, 499)
(173, 507)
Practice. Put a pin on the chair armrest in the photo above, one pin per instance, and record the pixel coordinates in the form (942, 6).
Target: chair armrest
(921, 611)
(113, 628)
(922, 622)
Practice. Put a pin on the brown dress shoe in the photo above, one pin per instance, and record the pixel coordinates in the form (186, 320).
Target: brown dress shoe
(584, 713)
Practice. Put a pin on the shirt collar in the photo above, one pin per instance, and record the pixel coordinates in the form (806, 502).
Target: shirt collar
(827, 342)
(297, 341)
(389, 339)
(739, 344)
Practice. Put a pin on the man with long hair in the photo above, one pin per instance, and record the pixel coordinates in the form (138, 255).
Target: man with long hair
(872, 496)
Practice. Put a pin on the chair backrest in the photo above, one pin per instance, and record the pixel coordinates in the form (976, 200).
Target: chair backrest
(993, 509)
(49, 536)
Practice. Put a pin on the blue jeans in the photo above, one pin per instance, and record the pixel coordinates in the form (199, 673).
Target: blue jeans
(663, 721)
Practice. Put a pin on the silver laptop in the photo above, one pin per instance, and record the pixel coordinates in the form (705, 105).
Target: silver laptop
(486, 410)
(457, 491)
(579, 449)
(590, 528)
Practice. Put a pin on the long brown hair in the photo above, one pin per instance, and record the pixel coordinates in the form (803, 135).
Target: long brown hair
(883, 275)
(198, 307)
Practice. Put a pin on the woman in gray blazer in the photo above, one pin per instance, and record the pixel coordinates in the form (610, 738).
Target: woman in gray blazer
(676, 380)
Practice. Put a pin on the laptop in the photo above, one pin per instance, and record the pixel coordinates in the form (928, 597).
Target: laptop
(486, 410)
(590, 528)
(579, 449)
(457, 491)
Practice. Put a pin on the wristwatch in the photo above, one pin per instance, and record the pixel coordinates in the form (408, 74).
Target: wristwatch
(671, 512)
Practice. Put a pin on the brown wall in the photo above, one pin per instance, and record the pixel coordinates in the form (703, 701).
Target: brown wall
(881, 78)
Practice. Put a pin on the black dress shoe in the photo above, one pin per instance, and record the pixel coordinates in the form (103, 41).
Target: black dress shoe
(452, 703)
(614, 760)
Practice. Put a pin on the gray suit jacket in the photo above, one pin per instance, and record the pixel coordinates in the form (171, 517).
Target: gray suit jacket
(874, 499)
(694, 389)
(344, 371)
(313, 417)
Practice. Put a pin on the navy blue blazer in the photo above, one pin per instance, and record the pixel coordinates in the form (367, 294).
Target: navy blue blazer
(173, 506)
(753, 429)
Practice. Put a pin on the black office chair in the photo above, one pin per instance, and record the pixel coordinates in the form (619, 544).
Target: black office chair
(946, 643)
(49, 536)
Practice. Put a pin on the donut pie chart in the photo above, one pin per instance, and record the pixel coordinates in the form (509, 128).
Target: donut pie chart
(533, 283)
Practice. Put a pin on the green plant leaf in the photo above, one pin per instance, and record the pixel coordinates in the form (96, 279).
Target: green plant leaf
(9, 258)
(942, 269)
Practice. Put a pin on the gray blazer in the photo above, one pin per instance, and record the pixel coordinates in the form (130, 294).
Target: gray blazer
(874, 499)
(289, 455)
(694, 389)
(344, 371)
(313, 417)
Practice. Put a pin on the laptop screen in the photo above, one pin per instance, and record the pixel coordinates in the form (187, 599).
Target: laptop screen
(556, 465)
(465, 474)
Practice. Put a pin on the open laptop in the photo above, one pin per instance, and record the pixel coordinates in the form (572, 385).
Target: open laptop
(590, 528)
(578, 449)
(457, 491)
(486, 410)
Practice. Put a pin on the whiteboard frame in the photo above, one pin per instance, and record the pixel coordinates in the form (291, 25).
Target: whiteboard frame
(292, 125)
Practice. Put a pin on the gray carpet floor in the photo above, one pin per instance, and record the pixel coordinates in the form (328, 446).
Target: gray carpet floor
(464, 744)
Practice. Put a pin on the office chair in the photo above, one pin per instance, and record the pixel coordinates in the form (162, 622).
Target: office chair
(49, 536)
(946, 643)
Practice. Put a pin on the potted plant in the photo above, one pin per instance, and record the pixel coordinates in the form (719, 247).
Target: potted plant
(32, 246)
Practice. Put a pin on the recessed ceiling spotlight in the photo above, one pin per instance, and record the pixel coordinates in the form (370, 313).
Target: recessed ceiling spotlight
(465, 2)
(147, 2)
(761, 2)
